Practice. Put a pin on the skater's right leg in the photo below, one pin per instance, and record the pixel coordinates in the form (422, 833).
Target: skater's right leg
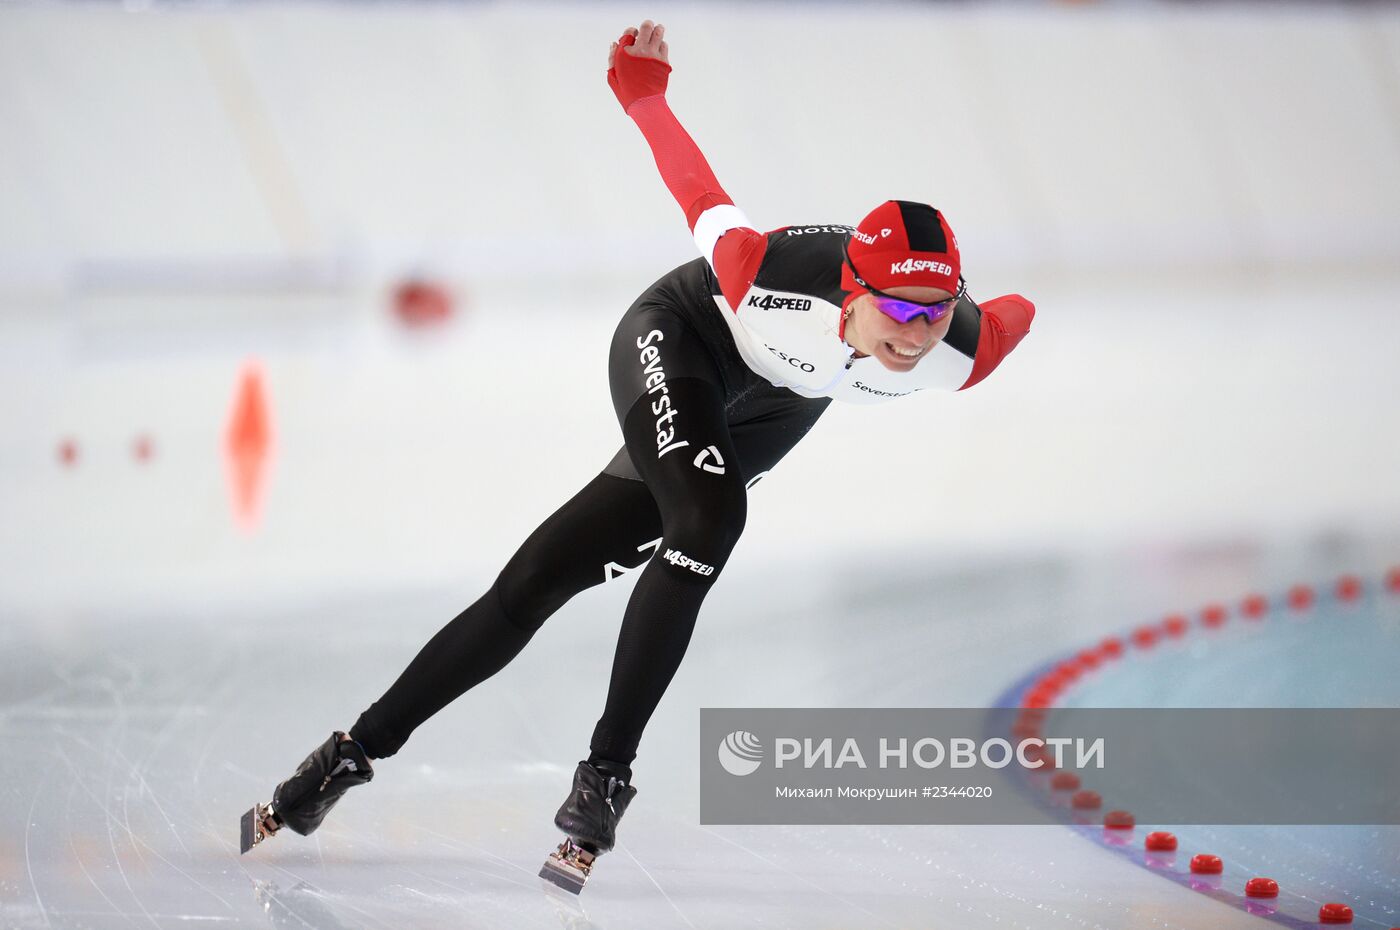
(608, 522)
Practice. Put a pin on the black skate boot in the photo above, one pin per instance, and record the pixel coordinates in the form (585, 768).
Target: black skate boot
(589, 817)
(303, 801)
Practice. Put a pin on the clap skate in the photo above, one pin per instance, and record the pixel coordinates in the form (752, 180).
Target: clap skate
(589, 817)
(302, 801)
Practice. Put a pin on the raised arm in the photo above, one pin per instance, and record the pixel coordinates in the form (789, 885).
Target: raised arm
(638, 69)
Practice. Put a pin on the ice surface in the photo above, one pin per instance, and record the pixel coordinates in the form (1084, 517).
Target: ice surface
(1331, 654)
(132, 748)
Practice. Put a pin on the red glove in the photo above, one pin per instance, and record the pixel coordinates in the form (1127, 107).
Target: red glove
(632, 78)
(1012, 315)
(1005, 322)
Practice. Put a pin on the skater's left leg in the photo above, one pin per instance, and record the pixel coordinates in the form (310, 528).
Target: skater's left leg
(702, 516)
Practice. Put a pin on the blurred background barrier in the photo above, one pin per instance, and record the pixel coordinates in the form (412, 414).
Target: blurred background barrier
(414, 226)
(323, 144)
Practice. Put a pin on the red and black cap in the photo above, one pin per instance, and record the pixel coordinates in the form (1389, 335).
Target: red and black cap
(902, 243)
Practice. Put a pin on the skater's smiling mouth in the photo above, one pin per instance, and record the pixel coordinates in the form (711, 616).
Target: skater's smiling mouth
(899, 355)
(910, 354)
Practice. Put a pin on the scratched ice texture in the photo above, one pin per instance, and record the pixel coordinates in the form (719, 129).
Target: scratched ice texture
(131, 748)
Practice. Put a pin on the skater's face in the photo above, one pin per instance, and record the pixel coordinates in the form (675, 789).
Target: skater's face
(897, 346)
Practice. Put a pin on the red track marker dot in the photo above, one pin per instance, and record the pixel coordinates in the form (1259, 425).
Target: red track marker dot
(1213, 616)
(1145, 637)
(1255, 606)
(1261, 888)
(68, 452)
(1348, 588)
(1161, 841)
(1175, 626)
(1301, 597)
(1392, 582)
(142, 448)
(1042, 754)
(422, 303)
(1334, 914)
(1088, 659)
(1206, 865)
(1119, 820)
(1065, 781)
(1112, 647)
(1086, 801)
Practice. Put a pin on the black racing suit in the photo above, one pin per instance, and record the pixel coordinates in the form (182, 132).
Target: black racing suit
(699, 428)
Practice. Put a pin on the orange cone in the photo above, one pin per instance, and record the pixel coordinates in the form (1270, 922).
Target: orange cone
(248, 446)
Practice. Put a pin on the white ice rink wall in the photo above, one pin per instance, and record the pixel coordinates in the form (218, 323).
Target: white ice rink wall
(1203, 201)
(1070, 138)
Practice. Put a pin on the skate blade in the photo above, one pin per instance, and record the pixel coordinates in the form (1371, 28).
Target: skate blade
(560, 873)
(568, 867)
(253, 827)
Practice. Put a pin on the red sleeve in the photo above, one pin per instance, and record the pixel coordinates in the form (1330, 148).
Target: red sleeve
(1005, 322)
(690, 180)
(738, 254)
(687, 175)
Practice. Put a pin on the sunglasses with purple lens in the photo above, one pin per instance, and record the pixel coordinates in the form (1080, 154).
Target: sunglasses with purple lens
(901, 310)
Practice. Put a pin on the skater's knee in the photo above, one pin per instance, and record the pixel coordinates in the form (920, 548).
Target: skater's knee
(711, 525)
(528, 593)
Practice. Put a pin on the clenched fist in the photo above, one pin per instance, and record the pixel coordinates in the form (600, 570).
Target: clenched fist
(642, 68)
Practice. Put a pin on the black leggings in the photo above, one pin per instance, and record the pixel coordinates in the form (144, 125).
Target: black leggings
(699, 429)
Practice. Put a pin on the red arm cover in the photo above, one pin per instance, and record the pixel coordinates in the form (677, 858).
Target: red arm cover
(687, 175)
(640, 86)
(738, 254)
(694, 185)
(1005, 322)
